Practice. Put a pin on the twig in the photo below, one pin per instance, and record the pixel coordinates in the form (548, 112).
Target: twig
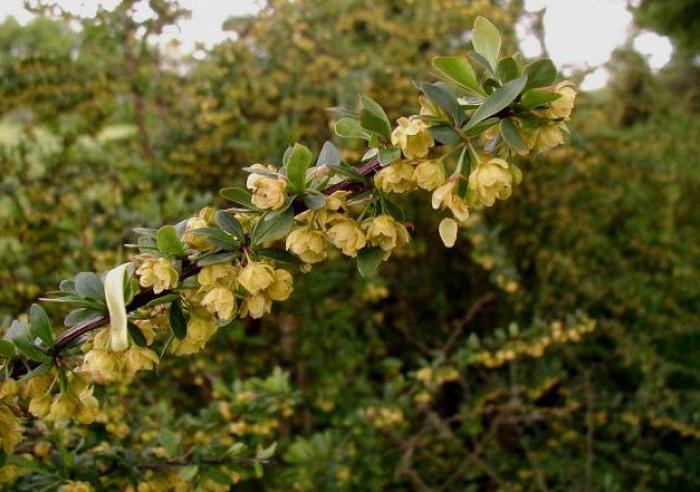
(460, 324)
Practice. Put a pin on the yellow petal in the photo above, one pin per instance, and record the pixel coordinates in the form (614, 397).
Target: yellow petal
(448, 231)
(114, 295)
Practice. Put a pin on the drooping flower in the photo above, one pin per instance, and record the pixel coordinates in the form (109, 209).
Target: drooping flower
(269, 192)
(445, 196)
(395, 178)
(547, 136)
(347, 235)
(561, 108)
(256, 277)
(157, 273)
(491, 179)
(429, 174)
(308, 244)
(221, 301)
(384, 231)
(413, 137)
(281, 287)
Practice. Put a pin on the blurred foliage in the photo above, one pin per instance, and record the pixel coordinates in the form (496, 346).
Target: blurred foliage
(475, 368)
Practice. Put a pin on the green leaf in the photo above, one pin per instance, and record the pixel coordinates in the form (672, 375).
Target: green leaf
(458, 70)
(369, 259)
(298, 163)
(217, 237)
(7, 349)
(314, 201)
(486, 40)
(350, 127)
(41, 326)
(79, 315)
(387, 156)
(542, 73)
(511, 136)
(37, 371)
(229, 224)
(88, 284)
(67, 286)
(497, 101)
(349, 172)
(238, 195)
(162, 300)
(329, 156)
(30, 350)
(273, 228)
(266, 453)
(482, 62)
(535, 98)
(278, 255)
(443, 97)
(445, 134)
(508, 69)
(374, 119)
(136, 334)
(178, 322)
(169, 440)
(481, 127)
(217, 258)
(188, 472)
(168, 242)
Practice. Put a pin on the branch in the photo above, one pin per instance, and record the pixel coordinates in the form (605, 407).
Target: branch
(189, 269)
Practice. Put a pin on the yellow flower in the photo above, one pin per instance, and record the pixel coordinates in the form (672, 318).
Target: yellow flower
(547, 136)
(89, 407)
(281, 287)
(36, 386)
(320, 216)
(490, 180)
(395, 178)
(157, 273)
(268, 192)
(256, 306)
(445, 197)
(140, 358)
(200, 329)
(8, 388)
(200, 221)
(39, 406)
(64, 406)
(74, 486)
(105, 365)
(256, 277)
(10, 430)
(413, 137)
(560, 109)
(307, 244)
(448, 231)
(221, 301)
(385, 232)
(346, 234)
(429, 174)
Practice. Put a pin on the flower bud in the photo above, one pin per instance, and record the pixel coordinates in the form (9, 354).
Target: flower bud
(448, 231)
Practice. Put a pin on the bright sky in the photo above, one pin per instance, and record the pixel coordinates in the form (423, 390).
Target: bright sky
(579, 33)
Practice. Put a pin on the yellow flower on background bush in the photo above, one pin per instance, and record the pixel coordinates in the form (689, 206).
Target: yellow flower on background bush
(269, 192)
(395, 178)
(256, 277)
(429, 174)
(308, 244)
(384, 231)
(347, 235)
(157, 273)
(413, 137)
(490, 180)
(75, 486)
(445, 196)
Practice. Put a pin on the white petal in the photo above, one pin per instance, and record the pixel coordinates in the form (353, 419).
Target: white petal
(448, 231)
(114, 295)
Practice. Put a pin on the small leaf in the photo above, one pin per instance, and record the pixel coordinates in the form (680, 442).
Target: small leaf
(369, 259)
(350, 127)
(41, 326)
(169, 440)
(229, 224)
(37, 371)
(168, 242)
(314, 201)
(512, 136)
(238, 195)
(387, 156)
(217, 258)
(178, 322)
(266, 453)
(88, 284)
(508, 69)
(136, 334)
(30, 350)
(445, 134)
(535, 98)
(217, 237)
(458, 70)
(7, 349)
(278, 255)
(329, 156)
(298, 163)
(272, 228)
(497, 101)
(167, 298)
(442, 97)
(486, 40)
(374, 119)
(79, 315)
(542, 73)
(188, 472)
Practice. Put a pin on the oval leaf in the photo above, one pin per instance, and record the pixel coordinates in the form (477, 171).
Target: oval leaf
(486, 40)
(40, 324)
(458, 70)
(497, 101)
